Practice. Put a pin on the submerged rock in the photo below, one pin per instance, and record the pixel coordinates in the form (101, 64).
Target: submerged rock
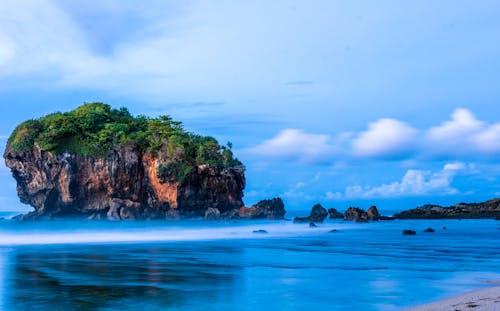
(312, 225)
(318, 214)
(409, 232)
(260, 231)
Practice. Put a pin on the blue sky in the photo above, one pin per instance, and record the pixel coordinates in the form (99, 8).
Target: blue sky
(339, 102)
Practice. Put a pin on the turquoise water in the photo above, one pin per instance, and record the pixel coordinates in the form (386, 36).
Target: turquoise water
(199, 265)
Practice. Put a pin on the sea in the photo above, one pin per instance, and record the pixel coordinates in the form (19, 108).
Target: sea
(225, 265)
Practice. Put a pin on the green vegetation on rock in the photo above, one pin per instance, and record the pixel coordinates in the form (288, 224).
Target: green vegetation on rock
(94, 129)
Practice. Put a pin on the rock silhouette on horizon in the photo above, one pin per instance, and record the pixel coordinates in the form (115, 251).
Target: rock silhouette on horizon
(318, 214)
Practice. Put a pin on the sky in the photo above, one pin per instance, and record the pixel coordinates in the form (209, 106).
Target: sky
(343, 103)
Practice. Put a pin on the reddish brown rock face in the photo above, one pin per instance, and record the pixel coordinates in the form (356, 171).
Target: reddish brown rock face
(123, 185)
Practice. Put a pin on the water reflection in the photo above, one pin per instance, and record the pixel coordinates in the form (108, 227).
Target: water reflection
(371, 266)
(122, 277)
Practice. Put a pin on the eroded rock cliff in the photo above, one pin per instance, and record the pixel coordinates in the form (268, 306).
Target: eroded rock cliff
(122, 185)
(96, 162)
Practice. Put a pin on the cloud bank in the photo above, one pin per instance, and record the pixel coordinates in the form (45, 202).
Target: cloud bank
(462, 136)
(413, 183)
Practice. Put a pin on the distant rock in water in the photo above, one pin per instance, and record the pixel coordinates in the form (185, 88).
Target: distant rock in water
(312, 225)
(96, 162)
(359, 215)
(488, 209)
(318, 214)
(334, 214)
(429, 230)
(355, 213)
(409, 232)
(372, 213)
(261, 231)
(265, 209)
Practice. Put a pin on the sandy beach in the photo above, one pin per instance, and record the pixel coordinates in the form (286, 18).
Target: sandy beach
(481, 300)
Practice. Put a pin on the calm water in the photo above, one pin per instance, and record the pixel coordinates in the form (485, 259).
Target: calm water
(224, 266)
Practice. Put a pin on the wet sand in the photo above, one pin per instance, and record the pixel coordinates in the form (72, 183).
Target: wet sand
(481, 300)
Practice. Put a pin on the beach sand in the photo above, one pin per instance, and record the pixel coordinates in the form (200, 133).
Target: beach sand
(482, 300)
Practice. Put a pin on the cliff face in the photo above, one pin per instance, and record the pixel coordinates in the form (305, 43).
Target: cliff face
(122, 185)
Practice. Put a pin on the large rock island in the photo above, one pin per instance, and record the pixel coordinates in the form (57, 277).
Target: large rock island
(96, 162)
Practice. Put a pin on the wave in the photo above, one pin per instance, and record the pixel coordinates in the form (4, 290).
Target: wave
(121, 234)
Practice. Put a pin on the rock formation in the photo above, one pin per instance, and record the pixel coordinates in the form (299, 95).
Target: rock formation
(153, 170)
(334, 214)
(266, 209)
(355, 213)
(359, 215)
(488, 209)
(318, 214)
(123, 185)
(372, 213)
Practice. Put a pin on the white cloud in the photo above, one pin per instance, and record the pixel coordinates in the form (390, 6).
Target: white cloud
(295, 145)
(385, 138)
(414, 183)
(7, 50)
(463, 135)
(488, 139)
(333, 195)
(462, 122)
(38, 36)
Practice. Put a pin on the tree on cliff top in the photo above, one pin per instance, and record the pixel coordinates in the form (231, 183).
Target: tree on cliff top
(94, 129)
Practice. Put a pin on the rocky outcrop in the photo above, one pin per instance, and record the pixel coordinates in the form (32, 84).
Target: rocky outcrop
(355, 213)
(488, 209)
(334, 214)
(318, 214)
(123, 185)
(360, 215)
(266, 209)
(372, 213)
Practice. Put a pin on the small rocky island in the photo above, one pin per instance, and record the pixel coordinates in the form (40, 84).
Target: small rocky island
(487, 209)
(96, 162)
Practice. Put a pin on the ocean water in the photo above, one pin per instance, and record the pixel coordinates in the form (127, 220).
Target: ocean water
(199, 265)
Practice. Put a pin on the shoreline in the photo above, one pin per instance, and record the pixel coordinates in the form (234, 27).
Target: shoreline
(487, 299)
